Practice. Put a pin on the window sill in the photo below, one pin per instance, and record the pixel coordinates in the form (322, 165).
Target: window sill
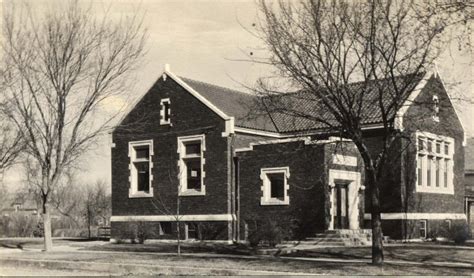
(447, 191)
(165, 123)
(192, 192)
(140, 195)
(274, 202)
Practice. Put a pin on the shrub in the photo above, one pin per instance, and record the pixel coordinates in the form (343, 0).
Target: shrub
(21, 225)
(267, 231)
(459, 232)
(38, 230)
(137, 233)
(211, 231)
(142, 232)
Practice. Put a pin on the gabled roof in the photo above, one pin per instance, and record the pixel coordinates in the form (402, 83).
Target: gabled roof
(276, 118)
(242, 109)
(297, 111)
(235, 104)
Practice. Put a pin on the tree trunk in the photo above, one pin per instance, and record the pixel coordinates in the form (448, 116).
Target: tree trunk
(89, 217)
(377, 240)
(179, 238)
(89, 227)
(48, 240)
(376, 219)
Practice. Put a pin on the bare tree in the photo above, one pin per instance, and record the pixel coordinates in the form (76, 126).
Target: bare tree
(165, 209)
(96, 204)
(63, 65)
(322, 47)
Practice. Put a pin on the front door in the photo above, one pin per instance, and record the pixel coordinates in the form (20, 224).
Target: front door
(341, 204)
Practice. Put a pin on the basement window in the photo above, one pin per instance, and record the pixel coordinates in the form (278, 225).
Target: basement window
(140, 153)
(275, 186)
(422, 228)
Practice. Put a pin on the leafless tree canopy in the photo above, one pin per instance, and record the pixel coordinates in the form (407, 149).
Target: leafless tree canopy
(62, 65)
(321, 48)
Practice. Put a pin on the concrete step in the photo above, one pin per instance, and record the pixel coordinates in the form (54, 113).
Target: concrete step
(321, 243)
(323, 235)
(328, 239)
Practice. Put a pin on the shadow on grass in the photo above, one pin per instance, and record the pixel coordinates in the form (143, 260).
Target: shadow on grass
(13, 246)
(84, 239)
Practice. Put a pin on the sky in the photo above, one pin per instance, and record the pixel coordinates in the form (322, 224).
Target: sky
(206, 40)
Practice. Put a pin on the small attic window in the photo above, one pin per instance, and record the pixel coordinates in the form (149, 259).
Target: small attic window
(436, 108)
(165, 111)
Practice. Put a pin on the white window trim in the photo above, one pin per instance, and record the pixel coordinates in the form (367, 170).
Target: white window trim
(424, 188)
(132, 192)
(162, 112)
(354, 179)
(436, 108)
(266, 200)
(183, 190)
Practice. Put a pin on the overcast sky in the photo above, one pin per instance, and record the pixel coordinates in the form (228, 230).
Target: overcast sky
(202, 40)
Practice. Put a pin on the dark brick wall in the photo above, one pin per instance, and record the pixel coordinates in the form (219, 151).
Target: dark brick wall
(306, 192)
(347, 149)
(204, 230)
(188, 117)
(244, 140)
(419, 117)
(308, 211)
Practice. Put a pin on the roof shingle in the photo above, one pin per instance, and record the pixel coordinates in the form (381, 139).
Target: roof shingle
(297, 111)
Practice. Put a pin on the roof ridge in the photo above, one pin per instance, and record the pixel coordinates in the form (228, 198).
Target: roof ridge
(214, 85)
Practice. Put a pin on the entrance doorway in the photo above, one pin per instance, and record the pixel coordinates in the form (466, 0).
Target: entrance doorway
(341, 205)
(344, 194)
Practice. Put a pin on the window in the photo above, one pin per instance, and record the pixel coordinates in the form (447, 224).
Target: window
(434, 163)
(191, 165)
(448, 224)
(435, 108)
(190, 231)
(165, 111)
(140, 153)
(422, 228)
(275, 186)
(165, 228)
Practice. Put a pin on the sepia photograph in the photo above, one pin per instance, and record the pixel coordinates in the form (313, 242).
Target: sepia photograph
(237, 138)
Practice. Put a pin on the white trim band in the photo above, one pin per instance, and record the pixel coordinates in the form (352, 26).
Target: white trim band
(418, 216)
(172, 218)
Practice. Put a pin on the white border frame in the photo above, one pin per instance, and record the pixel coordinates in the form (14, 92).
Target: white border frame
(132, 191)
(266, 200)
(162, 111)
(353, 194)
(183, 190)
(433, 189)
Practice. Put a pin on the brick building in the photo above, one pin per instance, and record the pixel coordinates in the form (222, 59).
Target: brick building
(193, 152)
(469, 180)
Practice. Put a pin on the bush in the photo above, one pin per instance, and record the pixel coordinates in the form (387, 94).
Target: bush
(136, 233)
(267, 232)
(38, 230)
(211, 231)
(459, 232)
(143, 232)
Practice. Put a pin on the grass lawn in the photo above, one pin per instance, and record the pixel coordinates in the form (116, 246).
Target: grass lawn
(410, 252)
(161, 257)
(238, 264)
